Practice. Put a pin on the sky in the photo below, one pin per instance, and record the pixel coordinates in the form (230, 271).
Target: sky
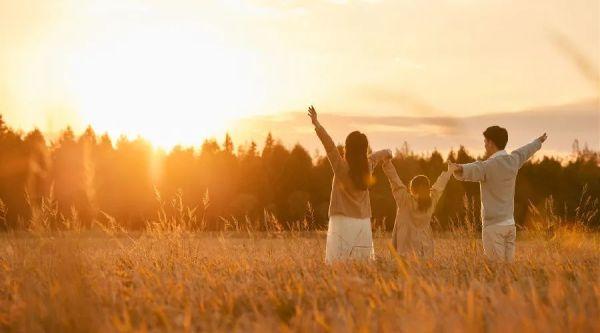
(179, 71)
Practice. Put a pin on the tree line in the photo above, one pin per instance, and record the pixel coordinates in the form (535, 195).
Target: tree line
(90, 176)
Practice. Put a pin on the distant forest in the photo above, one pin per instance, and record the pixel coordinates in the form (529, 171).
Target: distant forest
(89, 177)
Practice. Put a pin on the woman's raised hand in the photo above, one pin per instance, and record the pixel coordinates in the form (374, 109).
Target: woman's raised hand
(313, 115)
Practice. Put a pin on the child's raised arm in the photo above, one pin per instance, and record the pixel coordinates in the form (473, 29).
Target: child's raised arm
(437, 189)
(399, 190)
(380, 156)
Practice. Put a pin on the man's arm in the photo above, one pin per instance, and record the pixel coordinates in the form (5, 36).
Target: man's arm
(524, 153)
(471, 172)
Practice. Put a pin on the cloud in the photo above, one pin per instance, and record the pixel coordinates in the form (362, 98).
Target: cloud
(404, 101)
(583, 63)
(418, 130)
(441, 125)
(564, 123)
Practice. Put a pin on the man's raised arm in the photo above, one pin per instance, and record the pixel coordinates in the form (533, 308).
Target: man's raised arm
(526, 152)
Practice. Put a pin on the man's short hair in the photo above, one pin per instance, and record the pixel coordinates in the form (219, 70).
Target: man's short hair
(498, 135)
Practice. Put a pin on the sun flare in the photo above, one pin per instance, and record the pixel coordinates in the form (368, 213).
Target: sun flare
(169, 85)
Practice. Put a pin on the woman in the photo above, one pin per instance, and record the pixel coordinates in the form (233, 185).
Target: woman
(349, 233)
(412, 228)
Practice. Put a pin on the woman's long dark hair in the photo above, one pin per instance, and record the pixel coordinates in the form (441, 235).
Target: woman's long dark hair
(356, 150)
(420, 187)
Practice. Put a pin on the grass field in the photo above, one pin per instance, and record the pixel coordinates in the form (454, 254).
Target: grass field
(176, 281)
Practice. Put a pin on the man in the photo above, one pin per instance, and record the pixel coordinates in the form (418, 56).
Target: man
(496, 176)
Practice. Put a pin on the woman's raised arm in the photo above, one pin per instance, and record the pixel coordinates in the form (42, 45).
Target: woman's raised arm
(333, 153)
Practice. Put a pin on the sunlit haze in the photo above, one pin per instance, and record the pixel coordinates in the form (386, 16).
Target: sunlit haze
(180, 71)
(169, 84)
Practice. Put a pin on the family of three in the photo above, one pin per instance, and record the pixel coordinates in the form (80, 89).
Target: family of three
(349, 233)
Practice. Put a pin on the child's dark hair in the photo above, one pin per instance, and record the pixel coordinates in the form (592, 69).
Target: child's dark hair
(420, 188)
(498, 135)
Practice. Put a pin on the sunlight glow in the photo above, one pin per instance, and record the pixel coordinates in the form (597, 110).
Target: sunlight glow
(171, 85)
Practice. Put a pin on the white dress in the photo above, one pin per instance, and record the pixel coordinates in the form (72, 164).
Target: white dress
(349, 238)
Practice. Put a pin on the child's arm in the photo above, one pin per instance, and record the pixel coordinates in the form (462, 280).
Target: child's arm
(380, 156)
(399, 190)
(440, 184)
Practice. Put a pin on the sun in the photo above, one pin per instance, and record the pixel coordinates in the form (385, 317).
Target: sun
(171, 85)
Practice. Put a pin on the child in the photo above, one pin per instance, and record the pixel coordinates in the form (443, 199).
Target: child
(412, 229)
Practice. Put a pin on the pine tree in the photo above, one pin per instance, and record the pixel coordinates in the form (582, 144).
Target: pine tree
(228, 144)
(268, 148)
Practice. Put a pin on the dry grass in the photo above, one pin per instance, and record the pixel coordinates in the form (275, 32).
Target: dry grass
(178, 281)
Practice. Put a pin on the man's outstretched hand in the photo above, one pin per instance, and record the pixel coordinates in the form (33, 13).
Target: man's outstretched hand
(543, 137)
(455, 168)
(452, 167)
(312, 113)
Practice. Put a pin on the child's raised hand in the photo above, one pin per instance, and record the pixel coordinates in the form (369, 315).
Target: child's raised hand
(389, 155)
